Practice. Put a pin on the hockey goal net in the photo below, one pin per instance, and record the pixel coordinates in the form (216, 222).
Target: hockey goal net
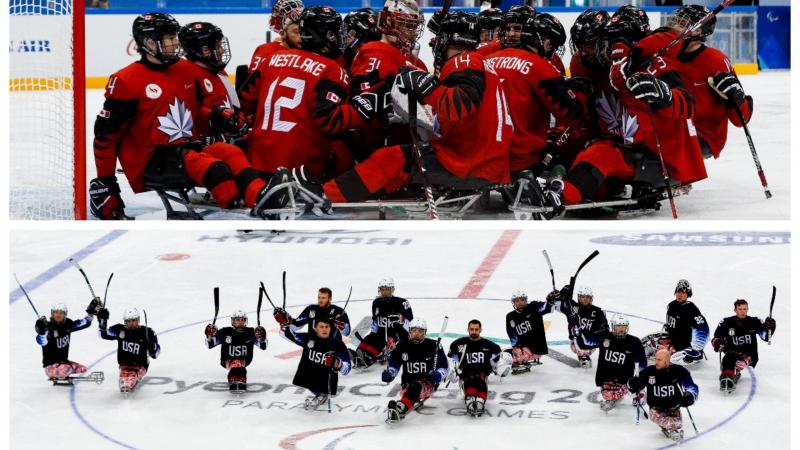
(47, 96)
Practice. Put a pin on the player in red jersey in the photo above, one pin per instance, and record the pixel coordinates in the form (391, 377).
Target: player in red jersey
(474, 133)
(647, 113)
(147, 122)
(534, 88)
(207, 48)
(302, 99)
(374, 69)
(360, 27)
(711, 79)
(490, 23)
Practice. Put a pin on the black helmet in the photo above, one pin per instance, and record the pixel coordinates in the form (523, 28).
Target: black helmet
(587, 28)
(684, 286)
(364, 22)
(490, 19)
(155, 26)
(520, 15)
(688, 15)
(456, 28)
(196, 36)
(629, 24)
(321, 31)
(541, 28)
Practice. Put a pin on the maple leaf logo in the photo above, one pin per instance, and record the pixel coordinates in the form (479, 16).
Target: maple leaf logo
(616, 118)
(178, 121)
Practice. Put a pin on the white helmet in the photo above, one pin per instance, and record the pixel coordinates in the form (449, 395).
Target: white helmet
(418, 323)
(403, 20)
(130, 314)
(239, 314)
(619, 320)
(58, 307)
(585, 291)
(519, 293)
(387, 282)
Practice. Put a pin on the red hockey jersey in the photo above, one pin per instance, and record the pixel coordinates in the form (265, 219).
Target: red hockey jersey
(472, 112)
(302, 102)
(212, 90)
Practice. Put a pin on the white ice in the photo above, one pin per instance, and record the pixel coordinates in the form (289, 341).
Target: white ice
(431, 269)
(732, 190)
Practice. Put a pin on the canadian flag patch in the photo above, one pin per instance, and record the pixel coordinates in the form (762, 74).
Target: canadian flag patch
(104, 114)
(332, 97)
(364, 86)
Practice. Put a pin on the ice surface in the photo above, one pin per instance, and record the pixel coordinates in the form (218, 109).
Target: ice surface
(732, 191)
(548, 408)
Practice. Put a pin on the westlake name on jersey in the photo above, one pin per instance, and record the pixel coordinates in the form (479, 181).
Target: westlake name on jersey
(236, 344)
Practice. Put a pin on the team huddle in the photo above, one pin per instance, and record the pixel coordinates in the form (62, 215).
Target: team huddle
(326, 108)
(397, 339)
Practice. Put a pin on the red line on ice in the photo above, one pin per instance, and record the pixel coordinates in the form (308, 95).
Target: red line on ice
(290, 443)
(487, 267)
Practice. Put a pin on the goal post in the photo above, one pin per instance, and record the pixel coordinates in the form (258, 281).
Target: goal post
(47, 99)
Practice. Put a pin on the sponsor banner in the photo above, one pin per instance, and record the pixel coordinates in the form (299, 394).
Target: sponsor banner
(698, 239)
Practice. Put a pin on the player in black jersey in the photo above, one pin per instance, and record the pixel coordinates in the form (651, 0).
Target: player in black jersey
(236, 352)
(583, 316)
(620, 354)
(525, 328)
(54, 337)
(685, 332)
(324, 308)
(390, 318)
(135, 346)
(669, 386)
(736, 337)
(474, 358)
(424, 366)
(324, 358)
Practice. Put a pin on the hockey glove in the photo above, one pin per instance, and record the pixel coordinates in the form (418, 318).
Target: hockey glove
(552, 297)
(728, 88)
(368, 104)
(581, 84)
(435, 22)
(635, 384)
(332, 362)
(769, 324)
(618, 75)
(226, 120)
(152, 352)
(93, 307)
(282, 316)
(388, 375)
(687, 400)
(718, 344)
(106, 203)
(261, 333)
(102, 314)
(41, 325)
(435, 376)
(211, 331)
(419, 82)
(650, 89)
(339, 324)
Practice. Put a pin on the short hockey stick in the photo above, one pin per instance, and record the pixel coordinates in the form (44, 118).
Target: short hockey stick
(458, 365)
(105, 294)
(753, 152)
(550, 266)
(27, 296)
(771, 304)
(284, 290)
(216, 306)
(439, 342)
(78, 266)
(267, 294)
(258, 308)
(415, 142)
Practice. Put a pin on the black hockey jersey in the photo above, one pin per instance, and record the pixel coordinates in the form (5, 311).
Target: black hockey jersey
(478, 356)
(55, 344)
(393, 313)
(526, 327)
(416, 360)
(740, 335)
(134, 347)
(618, 356)
(686, 326)
(312, 373)
(312, 312)
(236, 344)
(665, 387)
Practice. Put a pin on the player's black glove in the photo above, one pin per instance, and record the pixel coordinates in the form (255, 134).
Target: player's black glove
(332, 362)
(435, 22)
(339, 323)
(106, 203)
(152, 351)
(211, 331)
(102, 314)
(726, 85)
(420, 82)
(226, 120)
(581, 84)
(93, 307)
(650, 89)
(435, 376)
(388, 375)
(368, 104)
(261, 333)
(635, 384)
(552, 297)
(41, 325)
(718, 344)
(769, 324)
(687, 399)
